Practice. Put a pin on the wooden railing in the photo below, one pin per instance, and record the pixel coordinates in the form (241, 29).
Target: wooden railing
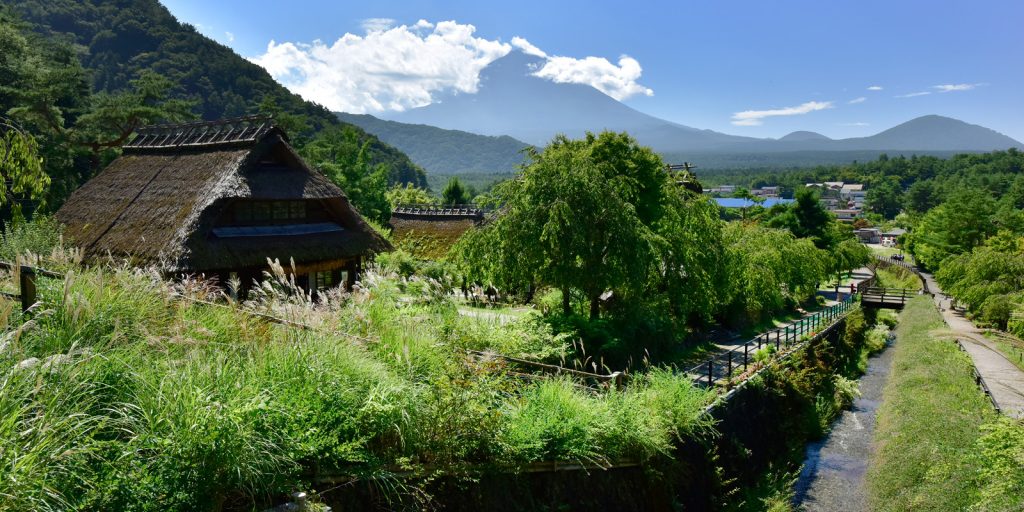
(892, 297)
(27, 276)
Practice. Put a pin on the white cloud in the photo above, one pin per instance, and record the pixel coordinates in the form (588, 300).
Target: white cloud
(754, 117)
(855, 101)
(377, 24)
(230, 36)
(619, 82)
(527, 48)
(859, 123)
(394, 68)
(913, 94)
(955, 87)
(875, 88)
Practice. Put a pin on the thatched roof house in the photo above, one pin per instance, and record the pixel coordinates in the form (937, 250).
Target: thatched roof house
(430, 230)
(219, 198)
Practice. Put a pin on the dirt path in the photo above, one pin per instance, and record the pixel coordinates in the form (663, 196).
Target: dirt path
(1004, 379)
(833, 474)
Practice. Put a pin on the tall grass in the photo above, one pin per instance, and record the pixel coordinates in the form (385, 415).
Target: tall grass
(118, 396)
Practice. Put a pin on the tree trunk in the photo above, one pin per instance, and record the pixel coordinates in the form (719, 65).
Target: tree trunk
(566, 307)
(595, 307)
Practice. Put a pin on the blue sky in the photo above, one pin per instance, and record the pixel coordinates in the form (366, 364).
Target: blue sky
(755, 68)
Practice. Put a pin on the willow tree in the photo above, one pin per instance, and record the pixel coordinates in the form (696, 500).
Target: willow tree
(578, 218)
(691, 268)
(21, 168)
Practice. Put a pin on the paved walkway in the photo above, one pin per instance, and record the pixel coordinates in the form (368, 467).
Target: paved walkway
(833, 474)
(1005, 381)
(724, 346)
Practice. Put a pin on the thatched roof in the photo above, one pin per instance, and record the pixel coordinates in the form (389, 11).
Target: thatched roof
(158, 203)
(431, 232)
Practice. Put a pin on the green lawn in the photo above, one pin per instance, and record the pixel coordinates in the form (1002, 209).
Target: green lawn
(929, 426)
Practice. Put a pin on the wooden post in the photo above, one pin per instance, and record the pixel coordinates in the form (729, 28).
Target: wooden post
(27, 283)
(745, 350)
(711, 376)
(728, 365)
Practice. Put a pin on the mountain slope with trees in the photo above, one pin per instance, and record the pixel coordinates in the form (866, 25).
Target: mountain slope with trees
(117, 40)
(441, 151)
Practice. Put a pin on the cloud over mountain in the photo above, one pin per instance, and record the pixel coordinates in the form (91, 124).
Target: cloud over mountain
(395, 68)
(755, 117)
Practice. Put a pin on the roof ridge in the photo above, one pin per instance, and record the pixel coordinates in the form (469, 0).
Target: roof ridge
(246, 129)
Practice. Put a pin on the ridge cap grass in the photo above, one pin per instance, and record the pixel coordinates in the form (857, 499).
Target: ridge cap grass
(929, 421)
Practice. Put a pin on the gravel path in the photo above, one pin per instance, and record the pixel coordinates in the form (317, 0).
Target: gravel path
(833, 474)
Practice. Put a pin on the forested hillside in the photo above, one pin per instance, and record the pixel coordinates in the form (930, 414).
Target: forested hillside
(117, 40)
(441, 151)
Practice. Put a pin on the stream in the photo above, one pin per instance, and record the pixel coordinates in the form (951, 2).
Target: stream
(833, 476)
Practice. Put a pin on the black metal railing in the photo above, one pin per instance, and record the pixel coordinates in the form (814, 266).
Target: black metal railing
(724, 365)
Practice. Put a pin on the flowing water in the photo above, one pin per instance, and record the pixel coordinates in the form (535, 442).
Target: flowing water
(834, 468)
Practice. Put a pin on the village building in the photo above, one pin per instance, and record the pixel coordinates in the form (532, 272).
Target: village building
(219, 199)
(854, 193)
(429, 231)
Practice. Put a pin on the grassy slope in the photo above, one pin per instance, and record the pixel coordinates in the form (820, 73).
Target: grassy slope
(897, 277)
(138, 399)
(929, 422)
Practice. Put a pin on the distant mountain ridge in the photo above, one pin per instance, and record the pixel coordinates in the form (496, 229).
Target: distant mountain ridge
(443, 151)
(512, 102)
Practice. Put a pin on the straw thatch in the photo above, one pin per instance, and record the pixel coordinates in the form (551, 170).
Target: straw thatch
(158, 205)
(430, 235)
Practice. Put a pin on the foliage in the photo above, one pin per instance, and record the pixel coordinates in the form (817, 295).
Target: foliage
(768, 267)
(113, 366)
(455, 193)
(959, 224)
(40, 236)
(446, 152)
(806, 218)
(80, 77)
(989, 281)
(344, 157)
(885, 197)
(578, 218)
(409, 194)
(1000, 462)
(20, 166)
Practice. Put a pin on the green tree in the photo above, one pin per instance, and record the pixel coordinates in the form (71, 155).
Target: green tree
(885, 198)
(409, 194)
(344, 157)
(691, 252)
(112, 118)
(921, 196)
(20, 165)
(954, 227)
(571, 220)
(806, 218)
(454, 192)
